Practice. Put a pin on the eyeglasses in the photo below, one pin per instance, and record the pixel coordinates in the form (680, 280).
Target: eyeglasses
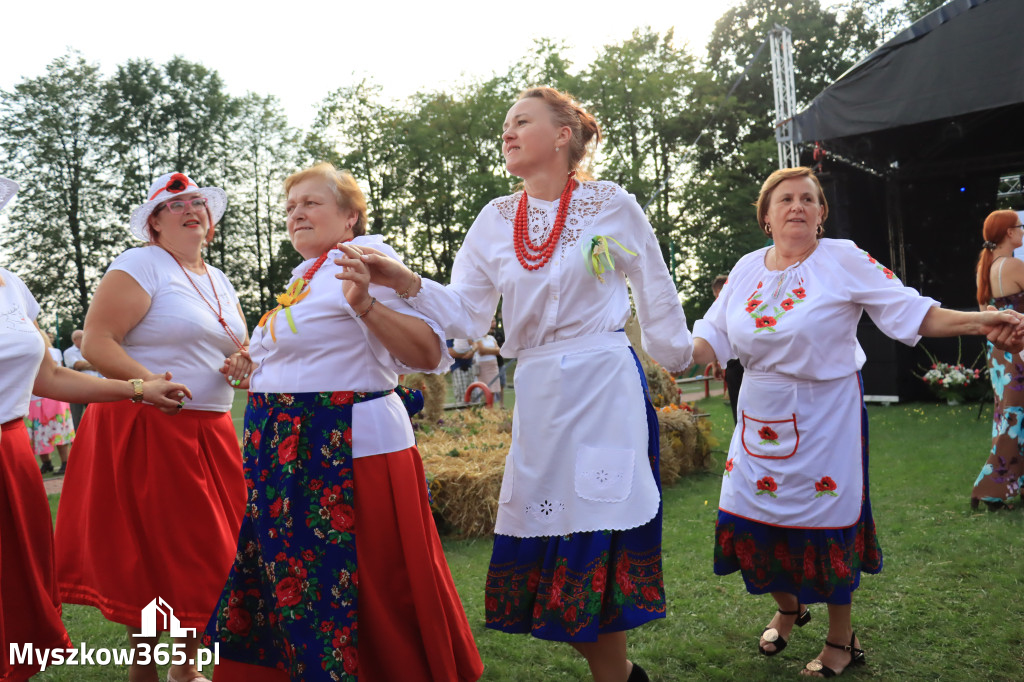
(178, 206)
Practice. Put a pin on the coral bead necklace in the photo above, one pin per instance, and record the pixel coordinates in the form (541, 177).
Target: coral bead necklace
(535, 256)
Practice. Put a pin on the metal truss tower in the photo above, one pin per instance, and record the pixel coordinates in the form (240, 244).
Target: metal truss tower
(783, 83)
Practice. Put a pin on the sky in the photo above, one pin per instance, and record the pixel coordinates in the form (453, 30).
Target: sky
(302, 50)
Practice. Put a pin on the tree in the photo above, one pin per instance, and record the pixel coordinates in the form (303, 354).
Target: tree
(266, 150)
(61, 226)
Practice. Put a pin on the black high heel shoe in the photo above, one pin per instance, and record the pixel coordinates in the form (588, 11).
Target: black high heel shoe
(772, 636)
(856, 658)
(638, 674)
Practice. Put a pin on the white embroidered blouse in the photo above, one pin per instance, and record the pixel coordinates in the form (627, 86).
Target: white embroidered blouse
(559, 301)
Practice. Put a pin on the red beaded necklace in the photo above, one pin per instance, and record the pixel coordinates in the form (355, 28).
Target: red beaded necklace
(535, 256)
(218, 311)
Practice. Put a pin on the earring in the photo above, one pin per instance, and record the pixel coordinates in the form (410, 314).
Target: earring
(820, 231)
(768, 229)
(556, 149)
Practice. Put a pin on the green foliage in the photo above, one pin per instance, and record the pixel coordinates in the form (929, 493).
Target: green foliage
(86, 148)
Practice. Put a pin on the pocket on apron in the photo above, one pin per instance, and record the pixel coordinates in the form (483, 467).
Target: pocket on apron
(604, 474)
(770, 438)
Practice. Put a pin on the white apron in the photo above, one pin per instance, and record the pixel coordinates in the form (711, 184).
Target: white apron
(578, 460)
(795, 456)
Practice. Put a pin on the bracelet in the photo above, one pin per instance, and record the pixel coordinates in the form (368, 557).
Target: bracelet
(136, 390)
(363, 314)
(405, 294)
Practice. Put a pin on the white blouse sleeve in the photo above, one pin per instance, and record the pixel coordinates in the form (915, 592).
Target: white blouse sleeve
(465, 307)
(387, 297)
(713, 328)
(662, 320)
(29, 301)
(896, 309)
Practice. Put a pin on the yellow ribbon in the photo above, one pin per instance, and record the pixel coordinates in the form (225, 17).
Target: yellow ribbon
(295, 293)
(597, 255)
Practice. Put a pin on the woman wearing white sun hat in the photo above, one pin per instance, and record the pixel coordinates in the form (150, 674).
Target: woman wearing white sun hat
(153, 503)
(30, 612)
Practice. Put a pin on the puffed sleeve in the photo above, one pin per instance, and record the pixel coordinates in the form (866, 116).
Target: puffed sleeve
(895, 309)
(387, 296)
(712, 327)
(464, 307)
(662, 320)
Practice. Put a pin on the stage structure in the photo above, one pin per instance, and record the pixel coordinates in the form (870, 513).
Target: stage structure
(916, 144)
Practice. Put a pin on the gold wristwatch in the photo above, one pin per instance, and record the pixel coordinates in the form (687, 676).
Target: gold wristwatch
(137, 386)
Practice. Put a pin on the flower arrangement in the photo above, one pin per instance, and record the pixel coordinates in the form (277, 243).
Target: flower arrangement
(954, 381)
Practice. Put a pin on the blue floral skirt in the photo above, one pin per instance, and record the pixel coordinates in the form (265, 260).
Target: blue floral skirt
(816, 565)
(572, 588)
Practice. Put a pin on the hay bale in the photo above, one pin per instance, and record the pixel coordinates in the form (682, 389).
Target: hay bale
(464, 456)
(434, 388)
(685, 443)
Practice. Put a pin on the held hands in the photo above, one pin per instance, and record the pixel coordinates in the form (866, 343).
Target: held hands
(381, 269)
(158, 391)
(237, 368)
(1004, 328)
(355, 277)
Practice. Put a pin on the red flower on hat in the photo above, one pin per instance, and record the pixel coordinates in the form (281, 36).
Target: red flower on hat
(177, 183)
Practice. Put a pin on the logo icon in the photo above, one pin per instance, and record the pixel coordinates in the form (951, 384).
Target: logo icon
(159, 609)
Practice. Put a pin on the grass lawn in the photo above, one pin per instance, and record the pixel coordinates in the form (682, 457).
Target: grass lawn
(947, 606)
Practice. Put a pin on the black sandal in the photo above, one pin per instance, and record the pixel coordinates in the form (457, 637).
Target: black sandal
(638, 674)
(772, 636)
(856, 658)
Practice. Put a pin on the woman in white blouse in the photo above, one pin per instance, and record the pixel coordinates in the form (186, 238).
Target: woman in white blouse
(577, 552)
(339, 572)
(30, 613)
(795, 512)
(152, 503)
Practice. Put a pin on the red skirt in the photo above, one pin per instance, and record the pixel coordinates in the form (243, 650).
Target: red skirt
(412, 626)
(29, 600)
(151, 507)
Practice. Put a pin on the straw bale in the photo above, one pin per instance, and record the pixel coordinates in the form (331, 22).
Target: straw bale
(434, 388)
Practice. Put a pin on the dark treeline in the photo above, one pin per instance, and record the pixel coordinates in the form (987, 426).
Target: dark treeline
(85, 148)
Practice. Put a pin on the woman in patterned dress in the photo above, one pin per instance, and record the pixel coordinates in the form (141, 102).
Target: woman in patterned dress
(795, 512)
(339, 574)
(1001, 283)
(577, 549)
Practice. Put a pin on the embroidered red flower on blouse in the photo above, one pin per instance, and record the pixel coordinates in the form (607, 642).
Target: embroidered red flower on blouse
(752, 305)
(888, 273)
(765, 322)
(767, 433)
(728, 465)
(787, 304)
(800, 292)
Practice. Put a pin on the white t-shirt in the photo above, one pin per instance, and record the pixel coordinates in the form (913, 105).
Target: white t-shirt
(332, 350)
(73, 355)
(484, 359)
(179, 332)
(21, 347)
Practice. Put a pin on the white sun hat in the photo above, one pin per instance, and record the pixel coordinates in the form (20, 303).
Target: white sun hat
(8, 188)
(166, 187)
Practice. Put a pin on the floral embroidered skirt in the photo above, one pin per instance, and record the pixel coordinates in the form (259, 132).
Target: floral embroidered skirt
(49, 424)
(30, 611)
(816, 565)
(339, 574)
(1000, 480)
(575, 587)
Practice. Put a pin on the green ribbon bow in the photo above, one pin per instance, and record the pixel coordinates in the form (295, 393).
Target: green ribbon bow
(597, 255)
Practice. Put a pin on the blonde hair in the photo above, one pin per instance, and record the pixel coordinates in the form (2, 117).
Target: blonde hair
(776, 179)
(343, 186)
(566, 111)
